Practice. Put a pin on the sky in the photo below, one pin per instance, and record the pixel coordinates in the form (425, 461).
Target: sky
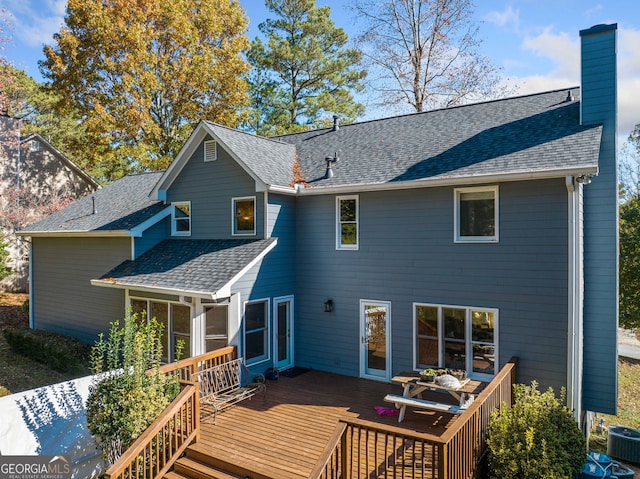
(535, 43)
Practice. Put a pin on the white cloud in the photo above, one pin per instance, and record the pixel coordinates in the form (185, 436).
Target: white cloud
(35, 25)
(501, 19)
(561, 48)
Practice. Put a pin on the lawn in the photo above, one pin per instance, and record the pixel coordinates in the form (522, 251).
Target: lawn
(18, 373)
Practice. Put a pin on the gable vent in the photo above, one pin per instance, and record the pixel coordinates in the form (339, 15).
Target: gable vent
(210, 151)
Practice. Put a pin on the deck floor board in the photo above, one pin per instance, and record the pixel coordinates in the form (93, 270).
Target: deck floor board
(283, 434)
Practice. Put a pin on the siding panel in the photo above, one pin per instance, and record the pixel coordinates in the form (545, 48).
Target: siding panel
(407, 255)
(63, 298)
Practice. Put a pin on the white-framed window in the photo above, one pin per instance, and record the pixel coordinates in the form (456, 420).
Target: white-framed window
(456, 337)
(210, 150)
(176, 319)
(243, 212)
(347, 222)
(476, 214)
(34, 145)
(256, 331)
(181, 219)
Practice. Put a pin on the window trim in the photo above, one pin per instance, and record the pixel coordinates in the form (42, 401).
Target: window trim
(170, 332)
(210, 157)
(339, 223)
(234, 228)
(468, 337)
(267, 331)
(174, 230)
(457, 238)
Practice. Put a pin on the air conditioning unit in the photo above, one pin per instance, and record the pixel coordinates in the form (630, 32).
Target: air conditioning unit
(624, 444)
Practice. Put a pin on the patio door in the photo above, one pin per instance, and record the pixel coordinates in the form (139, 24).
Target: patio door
(375, 344)
(283, 331)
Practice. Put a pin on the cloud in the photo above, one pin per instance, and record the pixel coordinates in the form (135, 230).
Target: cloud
(501, 19)
(563, 51)
(36, 26)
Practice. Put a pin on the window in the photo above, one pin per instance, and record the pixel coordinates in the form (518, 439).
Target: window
(176, 319)
(244, 216)
(256, 334)
(347, 222)
(181, 219)
(34, 145)
(216, 330)
(455, 337)
(476, 214)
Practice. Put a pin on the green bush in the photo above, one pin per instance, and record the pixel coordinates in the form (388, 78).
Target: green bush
(25, 306)
(60, 352)
(130, 391)
(536, 438)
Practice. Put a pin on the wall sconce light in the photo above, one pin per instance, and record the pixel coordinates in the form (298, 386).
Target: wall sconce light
(328, 306)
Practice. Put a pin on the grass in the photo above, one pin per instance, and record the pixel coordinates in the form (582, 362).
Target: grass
(19, 373)
(628, 403)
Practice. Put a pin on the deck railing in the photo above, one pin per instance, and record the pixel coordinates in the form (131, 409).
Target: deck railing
(152, 455)
(367, 449)
(158, 447)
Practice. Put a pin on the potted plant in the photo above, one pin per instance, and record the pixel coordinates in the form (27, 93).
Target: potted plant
(428, 375)
(272, 374)
(459, 374)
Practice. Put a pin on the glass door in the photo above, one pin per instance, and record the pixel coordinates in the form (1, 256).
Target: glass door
(375, 357)
(283, 331)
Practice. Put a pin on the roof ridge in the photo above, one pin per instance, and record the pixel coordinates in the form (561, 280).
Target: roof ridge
(453, 107)
(248, 133)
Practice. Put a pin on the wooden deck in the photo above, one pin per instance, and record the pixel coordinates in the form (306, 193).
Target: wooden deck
(283, 434)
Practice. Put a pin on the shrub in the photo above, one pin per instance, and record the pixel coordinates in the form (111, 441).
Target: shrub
(4, 391)
(536, 437)
(60, 352)
(129, 391)
(25, 306)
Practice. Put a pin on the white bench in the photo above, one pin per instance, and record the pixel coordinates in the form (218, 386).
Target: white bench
(402, 402)
(223, 385)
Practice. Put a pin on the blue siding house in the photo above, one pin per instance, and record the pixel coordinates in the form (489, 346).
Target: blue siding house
(454, 238)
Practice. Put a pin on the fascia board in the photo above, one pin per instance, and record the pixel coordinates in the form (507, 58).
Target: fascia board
(442, 181)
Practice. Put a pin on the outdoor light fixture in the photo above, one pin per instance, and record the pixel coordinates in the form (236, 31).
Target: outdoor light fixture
(584, 179)
(328, 306)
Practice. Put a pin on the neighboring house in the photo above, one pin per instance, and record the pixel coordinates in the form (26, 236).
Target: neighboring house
(31, 166)
(458, 237)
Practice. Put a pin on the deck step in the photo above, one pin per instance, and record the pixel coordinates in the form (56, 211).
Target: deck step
(188, 468)
(222, 464)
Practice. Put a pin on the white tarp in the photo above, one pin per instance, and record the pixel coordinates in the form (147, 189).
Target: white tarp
(51, 421)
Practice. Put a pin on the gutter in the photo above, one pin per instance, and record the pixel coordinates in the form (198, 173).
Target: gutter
(436, 182)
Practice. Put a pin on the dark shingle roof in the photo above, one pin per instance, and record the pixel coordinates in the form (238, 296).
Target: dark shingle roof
(531, 133)
(195, 266)
(120, 206)
(270, 160)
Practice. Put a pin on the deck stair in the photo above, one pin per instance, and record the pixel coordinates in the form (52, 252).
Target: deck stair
(189, 467)
(198, 465)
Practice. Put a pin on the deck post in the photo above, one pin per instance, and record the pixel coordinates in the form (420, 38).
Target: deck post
(443, 461)
(344, 462)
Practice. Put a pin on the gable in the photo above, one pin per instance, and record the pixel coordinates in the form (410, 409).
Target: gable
(266, 162)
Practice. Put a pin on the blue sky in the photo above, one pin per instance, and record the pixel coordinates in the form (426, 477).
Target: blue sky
(535, 42)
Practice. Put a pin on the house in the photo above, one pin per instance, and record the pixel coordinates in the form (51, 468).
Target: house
(32, 165)
(458, 237)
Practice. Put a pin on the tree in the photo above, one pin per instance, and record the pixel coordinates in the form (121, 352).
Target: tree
(629, 259)
(129, 391)
(142, 73)
(630, 165)
(304, 74)
(424, 52)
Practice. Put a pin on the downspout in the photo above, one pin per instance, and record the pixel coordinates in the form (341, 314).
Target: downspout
(31, 299)
(575, 293)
